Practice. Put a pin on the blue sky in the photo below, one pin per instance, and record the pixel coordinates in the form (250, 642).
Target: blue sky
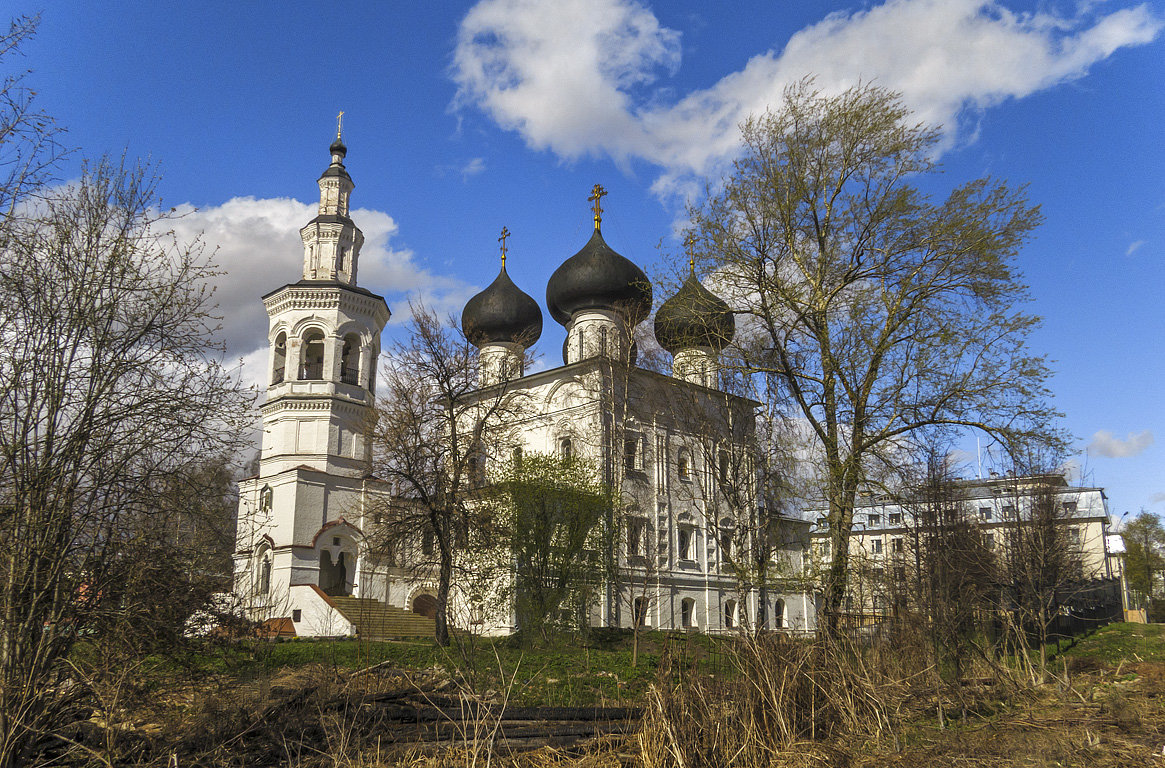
(462, 118)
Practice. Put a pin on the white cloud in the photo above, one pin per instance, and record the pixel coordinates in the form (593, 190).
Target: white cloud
(575, 76)
(472, 168)
(1134, 247)
(257, 247)
(1105, 443)
(1157, 498)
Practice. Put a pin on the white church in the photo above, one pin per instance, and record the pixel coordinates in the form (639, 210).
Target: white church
(676, 448)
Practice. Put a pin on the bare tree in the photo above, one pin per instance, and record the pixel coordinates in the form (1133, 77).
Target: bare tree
(111, 395)
(953, 570)
(28, 137)
(435, 434)
(878, 312)
(1042, 560)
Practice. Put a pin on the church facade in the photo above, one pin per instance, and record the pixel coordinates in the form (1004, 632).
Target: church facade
(676, 448)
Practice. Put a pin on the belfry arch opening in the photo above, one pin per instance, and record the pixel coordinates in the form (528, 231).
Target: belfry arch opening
(350, 360)
(312, 366)
(279, 367)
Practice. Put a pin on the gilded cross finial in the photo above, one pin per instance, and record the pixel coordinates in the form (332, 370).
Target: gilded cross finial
(340, 125)
(502, 240)
(597, 193)
(689, 241)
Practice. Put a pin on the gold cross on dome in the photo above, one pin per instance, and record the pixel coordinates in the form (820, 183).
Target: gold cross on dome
(689, 241)
(502, 240)
(340, 124)
(597, 193)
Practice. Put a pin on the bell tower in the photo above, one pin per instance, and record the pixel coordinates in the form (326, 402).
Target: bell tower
(299, 518)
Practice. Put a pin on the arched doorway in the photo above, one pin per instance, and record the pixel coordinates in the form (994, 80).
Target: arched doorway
(426, 605)
(335, 575)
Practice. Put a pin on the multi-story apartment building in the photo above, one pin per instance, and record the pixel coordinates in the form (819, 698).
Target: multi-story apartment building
(887, 542)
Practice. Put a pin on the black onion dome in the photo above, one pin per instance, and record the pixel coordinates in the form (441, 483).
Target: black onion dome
(338, 148)
(502, 313)
(598, 278)
(694, 317)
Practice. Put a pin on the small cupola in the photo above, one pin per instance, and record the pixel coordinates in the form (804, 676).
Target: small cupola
(502, 321)
(694, 317)
(695, 325)
(332, 241)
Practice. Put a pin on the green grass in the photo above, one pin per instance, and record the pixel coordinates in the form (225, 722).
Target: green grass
(565, 672)
(1114, 643)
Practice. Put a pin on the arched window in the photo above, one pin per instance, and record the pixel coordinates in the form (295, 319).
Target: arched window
(684, 544)
(312, 366)
(279, 369)
(779, 614)
(372, 373)
(639, 611)
(729, 614)
(565, 447)
(350, 360)
(341, 259)
(265, 574)
(688, 613)
(684, 465)
(516, 455)
(266, 499)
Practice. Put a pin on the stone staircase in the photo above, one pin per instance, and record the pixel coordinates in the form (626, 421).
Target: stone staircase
(375, 620)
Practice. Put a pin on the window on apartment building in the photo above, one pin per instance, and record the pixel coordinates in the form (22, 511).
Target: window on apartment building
(895, 518)
(1069, 507)
(873, 520)
(823, 522)
(1008, 510)
(989, 540)
(900, 573)
(896, 545)
(1074, 536)
(878, 574)
(876, 546)
(984, 513)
